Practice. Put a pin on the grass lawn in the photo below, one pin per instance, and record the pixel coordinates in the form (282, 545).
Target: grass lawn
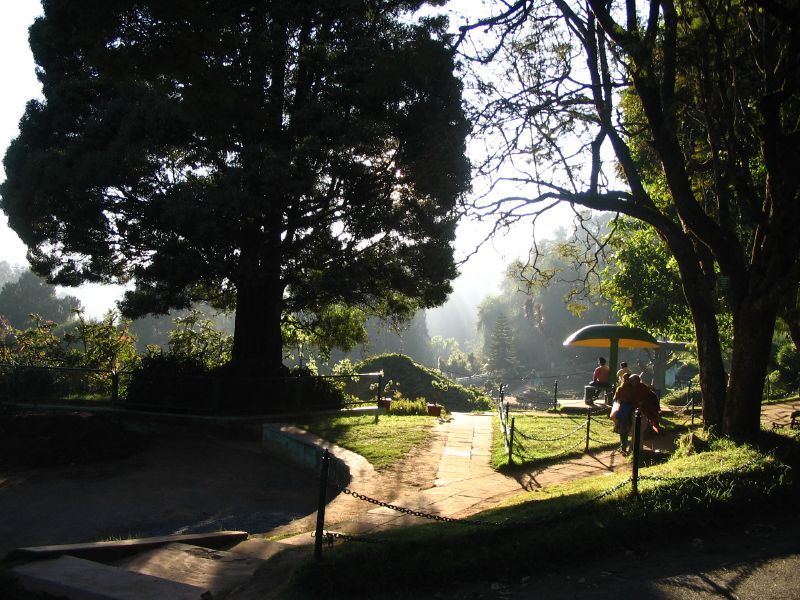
(544, 438)
(693, 492)
(381, 439)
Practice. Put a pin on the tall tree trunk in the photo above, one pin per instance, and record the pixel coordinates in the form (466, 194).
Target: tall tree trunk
(712, 370)
(752, 338)
(257, 339)
(698, 292)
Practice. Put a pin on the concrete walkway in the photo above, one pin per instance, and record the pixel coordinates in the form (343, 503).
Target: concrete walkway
(464, 483)
(778, 415)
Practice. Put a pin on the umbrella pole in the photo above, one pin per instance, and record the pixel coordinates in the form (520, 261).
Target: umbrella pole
(612, 364)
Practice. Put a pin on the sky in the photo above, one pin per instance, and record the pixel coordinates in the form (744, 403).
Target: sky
(481, 273)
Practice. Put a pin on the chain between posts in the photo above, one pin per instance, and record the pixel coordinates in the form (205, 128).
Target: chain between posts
(412, 512)
(328, 537)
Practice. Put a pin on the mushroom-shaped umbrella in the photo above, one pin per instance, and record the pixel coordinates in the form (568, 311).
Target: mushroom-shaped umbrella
(613, 337)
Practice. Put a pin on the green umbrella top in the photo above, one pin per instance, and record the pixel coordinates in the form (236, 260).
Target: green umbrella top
(602, 336)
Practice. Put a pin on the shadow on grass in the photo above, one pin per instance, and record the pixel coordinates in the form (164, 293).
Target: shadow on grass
(573, 523)
(521, 467)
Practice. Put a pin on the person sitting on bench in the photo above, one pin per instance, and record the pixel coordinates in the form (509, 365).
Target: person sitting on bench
(599, 381)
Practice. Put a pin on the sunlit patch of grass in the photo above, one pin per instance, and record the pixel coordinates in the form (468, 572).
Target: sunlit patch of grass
(544, 438)
(381, 439)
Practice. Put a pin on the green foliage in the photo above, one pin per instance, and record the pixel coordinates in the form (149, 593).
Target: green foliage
(415, 381)
(502, 359)
(643, 282)
(403, 407)
(787, 359)
(163, 380)
(305, 390)
(196, 338)
(336, 326)
(43, 367)
(181, 378)
(107, 344)
(37, 345)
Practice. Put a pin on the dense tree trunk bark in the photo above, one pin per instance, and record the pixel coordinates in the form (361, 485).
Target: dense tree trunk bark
(698, 292)
(257, 339)
(752, 339)
(712, 370)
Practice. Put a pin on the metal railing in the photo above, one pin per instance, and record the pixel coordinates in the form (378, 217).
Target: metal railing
(189, 392)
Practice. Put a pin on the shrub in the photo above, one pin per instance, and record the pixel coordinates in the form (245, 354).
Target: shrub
(168, 381)
(22, 383)
(405, 407)
(306, 390)
(416, 381)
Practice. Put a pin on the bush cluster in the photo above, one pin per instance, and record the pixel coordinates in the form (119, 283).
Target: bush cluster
(182, 383)
(416, 381)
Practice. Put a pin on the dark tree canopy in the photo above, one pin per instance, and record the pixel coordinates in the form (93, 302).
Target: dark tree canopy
(276, 157)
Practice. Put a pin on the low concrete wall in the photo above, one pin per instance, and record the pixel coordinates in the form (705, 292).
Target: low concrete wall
(292, 444)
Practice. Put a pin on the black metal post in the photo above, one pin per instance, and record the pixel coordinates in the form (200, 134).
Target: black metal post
(114, 387)
(588, 425)
(323, 487)
(637, 444)
(506, 416)
(379, 393)
(555, 394)
(511, 442)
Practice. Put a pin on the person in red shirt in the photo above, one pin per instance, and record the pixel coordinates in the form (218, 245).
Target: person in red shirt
(599, 381)
(645, 399)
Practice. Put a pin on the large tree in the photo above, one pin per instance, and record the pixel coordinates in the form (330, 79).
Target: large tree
(708, 148)
(277, 157)
(31, 295)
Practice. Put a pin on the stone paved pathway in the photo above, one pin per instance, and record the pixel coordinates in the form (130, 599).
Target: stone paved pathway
(465, 483)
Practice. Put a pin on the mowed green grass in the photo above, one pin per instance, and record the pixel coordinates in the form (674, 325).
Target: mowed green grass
(380, 438)
(544, 438)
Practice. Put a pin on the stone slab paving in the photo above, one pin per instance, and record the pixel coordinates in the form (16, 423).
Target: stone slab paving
(80, 579)
(206, 568)
(779, 414)
(465, 483)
